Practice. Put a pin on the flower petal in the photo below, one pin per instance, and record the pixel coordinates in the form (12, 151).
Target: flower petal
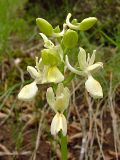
(62, 98)
(28, 92)
(70, 24)
(60, 89)
(50, 98)
(92, 59)
(95, 66)
(93, 87)
(60, 103)
(67, 96)
(39, 65)
(55, 124)
(33, 72)
(59, 50)
(47, 42)
(82, 59)
(64, 124)
(59, 123)
(72, 69)
(44, 74)
(54, 75)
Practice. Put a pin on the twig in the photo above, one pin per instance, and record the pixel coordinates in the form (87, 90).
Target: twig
(84, 139)
(73, 93)
(6, 118)
(38, 46)
(100, 145)
(91, 123)
(74, 103)
(21, 72)
(39, 133)
(5, 150)
(83, 147)
(15, 153)
(113, 115)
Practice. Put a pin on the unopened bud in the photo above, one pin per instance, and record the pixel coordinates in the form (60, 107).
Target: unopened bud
(87, 23)
(70, 38)
(44, 26)
(50, 57)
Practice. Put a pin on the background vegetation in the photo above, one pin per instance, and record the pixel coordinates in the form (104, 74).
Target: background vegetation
(20, 43)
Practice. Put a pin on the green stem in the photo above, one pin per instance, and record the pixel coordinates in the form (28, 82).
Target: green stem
(68, 79)
(64, 151)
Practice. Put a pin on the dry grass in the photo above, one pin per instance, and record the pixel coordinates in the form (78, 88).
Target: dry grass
(93, 126)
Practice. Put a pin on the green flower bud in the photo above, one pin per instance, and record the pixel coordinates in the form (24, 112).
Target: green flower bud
(74, 21)
(70, 38)
(50, 57)
(87, 23)
(44, 26)
(57, 29)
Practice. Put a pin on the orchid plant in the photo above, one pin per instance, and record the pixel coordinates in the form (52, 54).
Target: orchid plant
(52, 65)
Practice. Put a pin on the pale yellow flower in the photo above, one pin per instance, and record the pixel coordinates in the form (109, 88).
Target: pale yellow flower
(28, 92)
(59, 123)
(41, 74)
(93, 87)
(58, 103)
(86, 68)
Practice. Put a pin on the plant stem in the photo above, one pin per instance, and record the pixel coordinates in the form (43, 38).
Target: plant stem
(68, 79)
(64, 151)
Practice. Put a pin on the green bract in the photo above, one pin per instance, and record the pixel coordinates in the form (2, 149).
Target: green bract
(87, 23)
(75, 22)
(56, 29)
(70, 38)
(50, 57)
(44, 26)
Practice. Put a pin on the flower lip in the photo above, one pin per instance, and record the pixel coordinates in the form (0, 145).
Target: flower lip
(54, 75)
(93, 87)
(28, 92)
(59, 123)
